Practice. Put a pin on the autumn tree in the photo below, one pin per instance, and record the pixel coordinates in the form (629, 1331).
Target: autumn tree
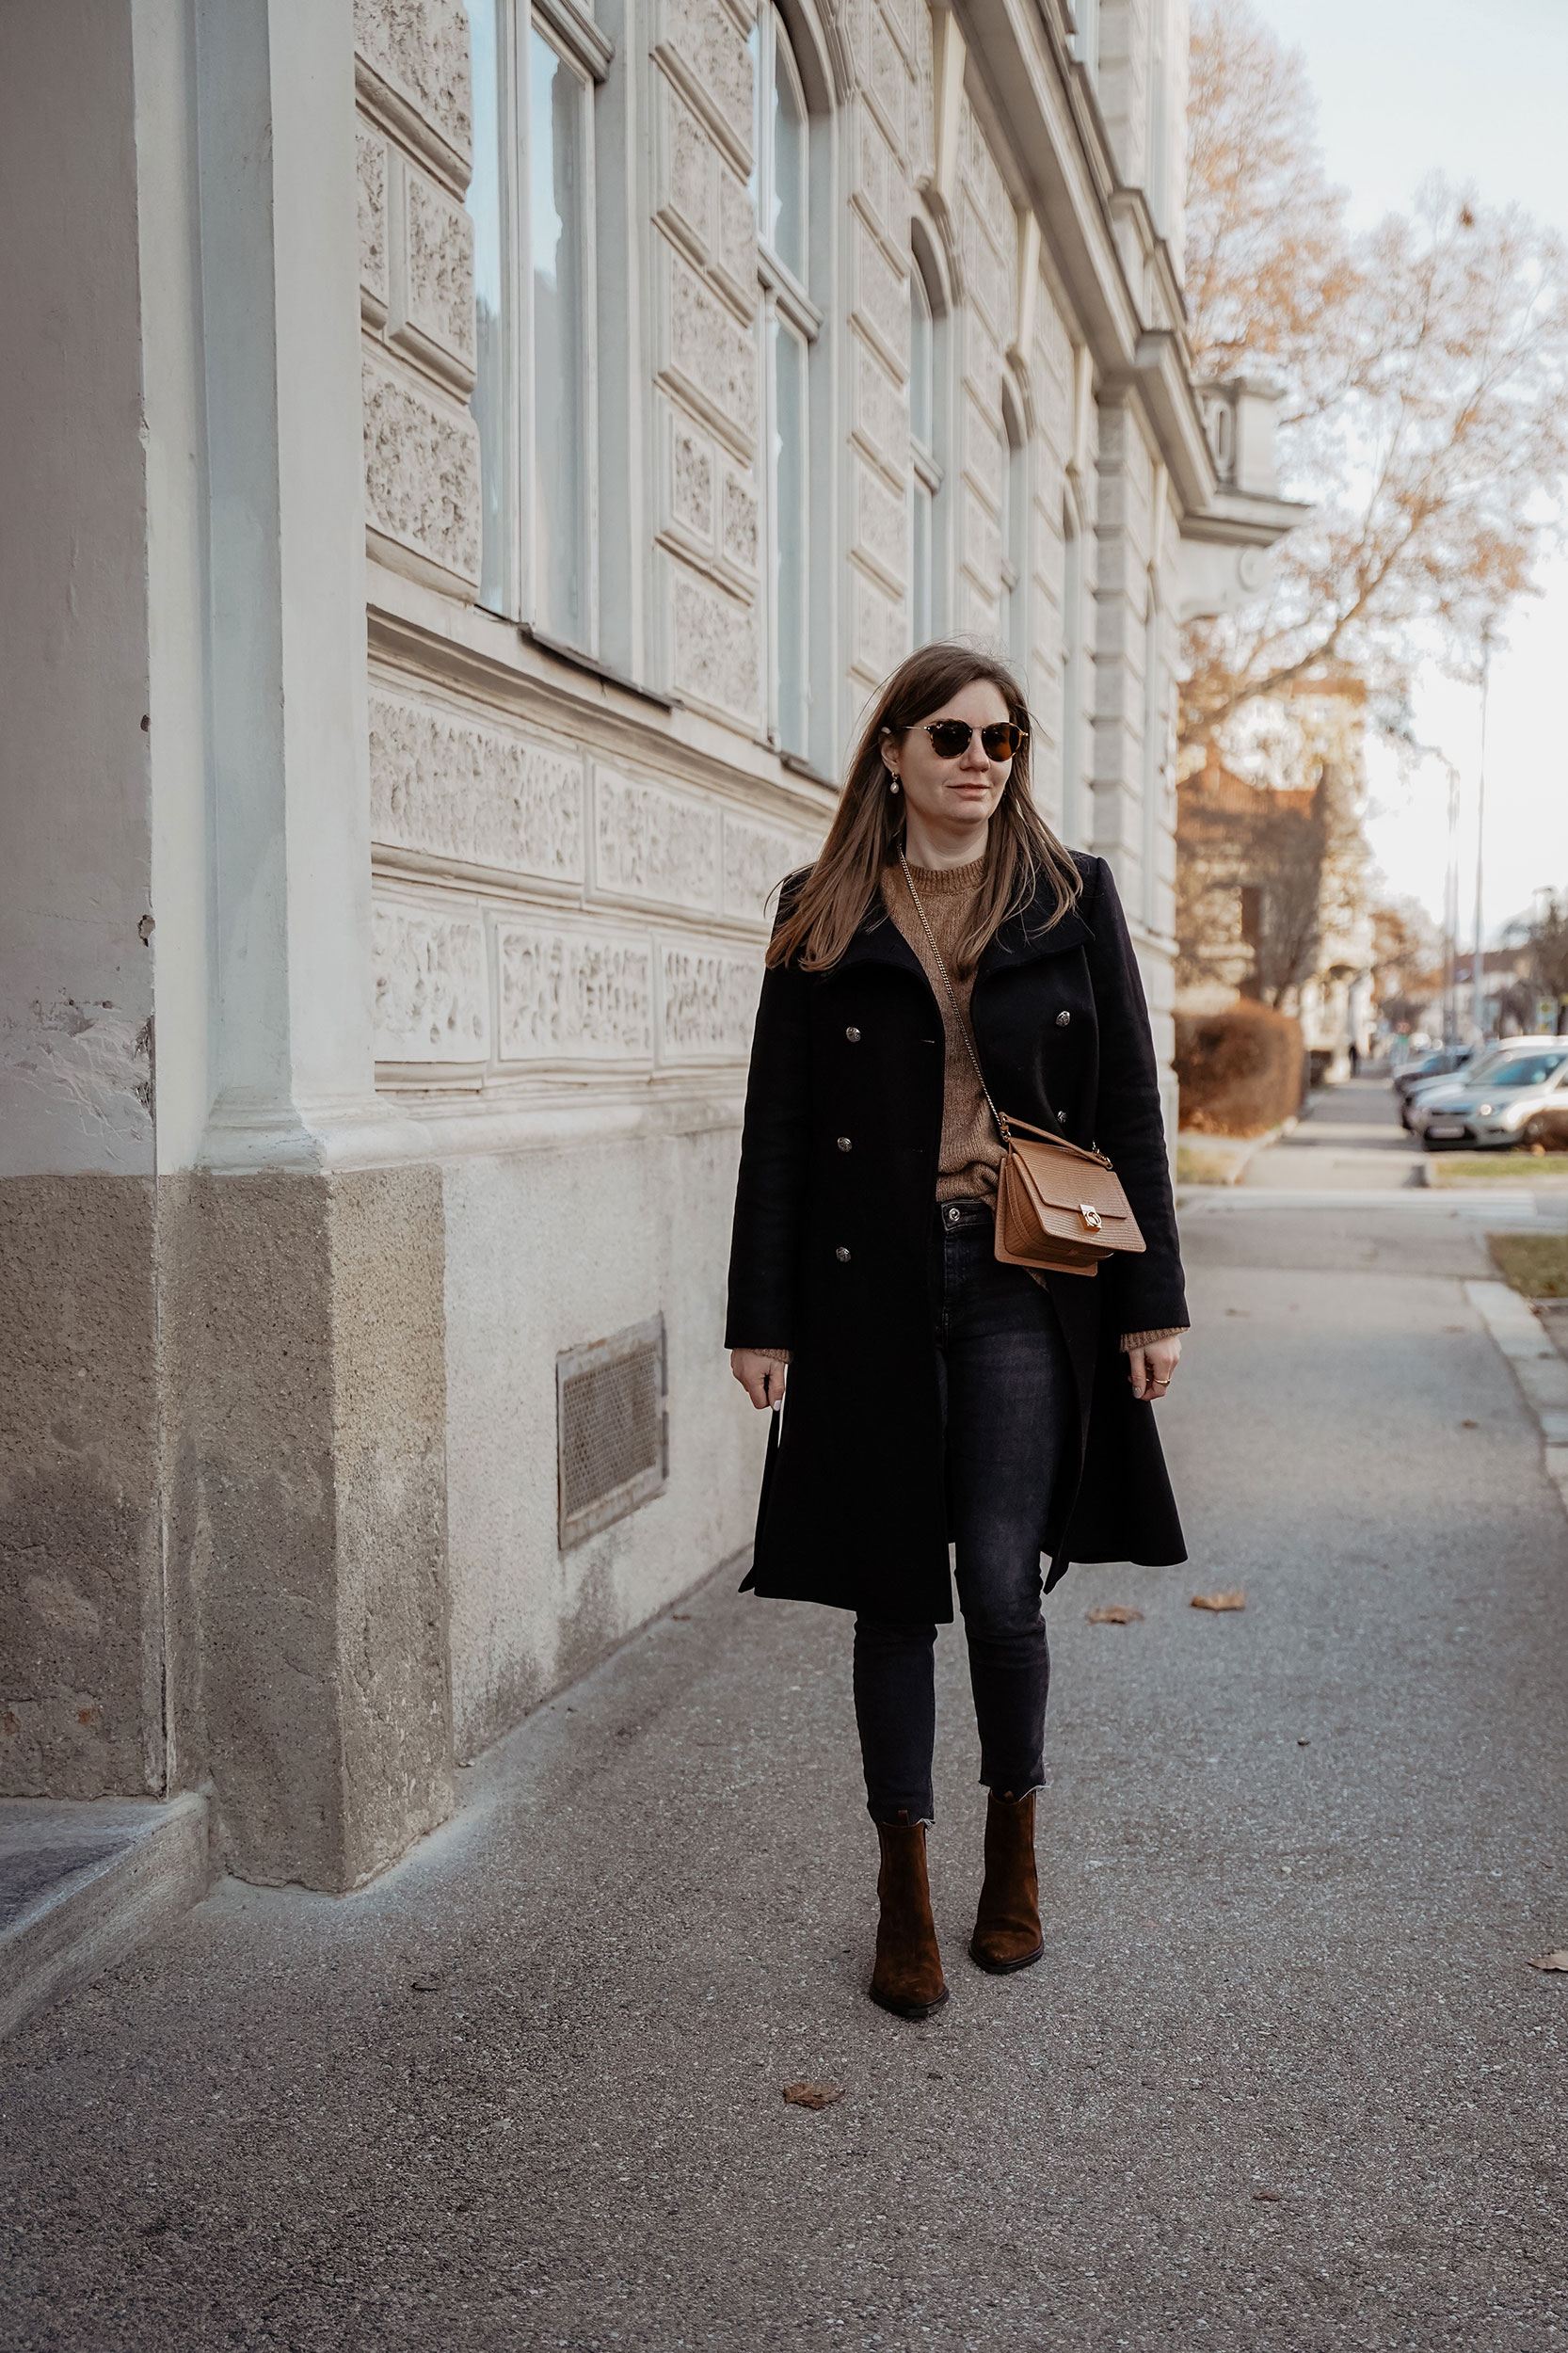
(1407, 958)
(1424, 369)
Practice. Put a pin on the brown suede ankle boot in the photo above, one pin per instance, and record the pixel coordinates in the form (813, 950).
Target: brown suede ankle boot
(907, 1978)
(1007, 1926)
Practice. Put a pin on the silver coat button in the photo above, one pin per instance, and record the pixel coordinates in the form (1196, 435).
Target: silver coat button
(1062, 1019)
(854, 1036)
(1061, 1119)
(844, 1144)
(841, 1254)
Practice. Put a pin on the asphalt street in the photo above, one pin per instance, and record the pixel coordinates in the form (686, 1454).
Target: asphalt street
(1283, 2079)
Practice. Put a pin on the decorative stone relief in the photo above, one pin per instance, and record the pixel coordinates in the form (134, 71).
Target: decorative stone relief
(431, 993)
(756, 860)
(714, 355)
(420, 49)
(653, 844)
(879, 632)
(739, 522)
(572, 995)
(737, 251)
(977, 611)
(370, 154)
(881, 419)
(880, 181)
(986, 184)
(716, 645)
(888, 80)
(440, 292)
(988, 275)
(707, 1003)
(421, 471)
(982, 549)
(689, 168)
(714, 52)
(692, 481)
(983, 450)
(880, 516)
(881, 295)
(922, 155)
(456, 790)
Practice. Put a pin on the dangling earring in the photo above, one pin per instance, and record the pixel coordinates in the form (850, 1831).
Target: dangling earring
(894, 786)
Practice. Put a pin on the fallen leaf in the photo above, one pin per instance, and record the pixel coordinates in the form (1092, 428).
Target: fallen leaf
(1218, 1601)
(1238, 1311)
(681, 1617)
(812, 2095)
(1470, 1425)
(1267, 2197)
(1115, 1613)
(1551, 1960)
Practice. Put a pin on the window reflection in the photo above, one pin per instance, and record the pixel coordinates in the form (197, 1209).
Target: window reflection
(555, 143)
(488, 397)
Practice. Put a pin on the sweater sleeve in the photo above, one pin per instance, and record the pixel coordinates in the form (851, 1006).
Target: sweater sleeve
(1148, 1291)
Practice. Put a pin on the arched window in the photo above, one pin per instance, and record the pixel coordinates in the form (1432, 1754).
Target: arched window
(780, 190)
(1072, 677)
(1013, 533)
(927, 321)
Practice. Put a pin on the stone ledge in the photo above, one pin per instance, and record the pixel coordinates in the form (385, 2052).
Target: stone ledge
(81, 1884)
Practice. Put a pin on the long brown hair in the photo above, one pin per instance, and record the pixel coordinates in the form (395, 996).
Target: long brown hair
(867, 832)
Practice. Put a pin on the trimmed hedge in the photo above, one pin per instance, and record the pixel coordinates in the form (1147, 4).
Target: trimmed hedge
(1239, 1071)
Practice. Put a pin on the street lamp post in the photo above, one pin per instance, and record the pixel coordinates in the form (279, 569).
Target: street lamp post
(1478, 967)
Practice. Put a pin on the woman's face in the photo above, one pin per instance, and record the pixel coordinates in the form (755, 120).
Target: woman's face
(953, 793)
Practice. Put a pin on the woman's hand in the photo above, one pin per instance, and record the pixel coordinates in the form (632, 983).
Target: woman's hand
(761, 1377)
(1150, 1369)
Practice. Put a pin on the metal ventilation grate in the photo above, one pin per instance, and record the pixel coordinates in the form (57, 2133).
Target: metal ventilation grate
(612, 1429)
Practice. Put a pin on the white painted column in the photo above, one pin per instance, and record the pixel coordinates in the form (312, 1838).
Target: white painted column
(292, 1050)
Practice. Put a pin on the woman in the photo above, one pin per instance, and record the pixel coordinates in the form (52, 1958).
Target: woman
(936, 1394)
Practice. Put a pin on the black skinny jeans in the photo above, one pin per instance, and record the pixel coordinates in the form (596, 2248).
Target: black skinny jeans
(1007, 1391)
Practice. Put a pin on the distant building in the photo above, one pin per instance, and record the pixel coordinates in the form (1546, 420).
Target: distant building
(468, 469)
(1272, 871)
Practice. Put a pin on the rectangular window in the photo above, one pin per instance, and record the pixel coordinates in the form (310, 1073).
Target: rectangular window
(488, 397)
(1072, 682)
(920, 558)
(780, 192)
(531, 201)
(557, 140)
(791, 477)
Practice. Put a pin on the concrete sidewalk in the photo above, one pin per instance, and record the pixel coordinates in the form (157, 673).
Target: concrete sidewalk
(1284, 2080)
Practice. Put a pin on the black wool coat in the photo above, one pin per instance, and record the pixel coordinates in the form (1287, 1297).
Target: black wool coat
(831, 1251)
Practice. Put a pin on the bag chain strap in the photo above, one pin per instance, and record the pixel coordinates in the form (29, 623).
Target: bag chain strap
(1004, 1127)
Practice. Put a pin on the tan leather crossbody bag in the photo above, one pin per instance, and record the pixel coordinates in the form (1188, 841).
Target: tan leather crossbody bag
(1060, 1210)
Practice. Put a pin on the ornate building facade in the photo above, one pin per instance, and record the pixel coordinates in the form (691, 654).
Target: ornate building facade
(482, 459)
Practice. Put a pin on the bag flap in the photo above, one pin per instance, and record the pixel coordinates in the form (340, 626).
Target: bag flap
(1062, 1183)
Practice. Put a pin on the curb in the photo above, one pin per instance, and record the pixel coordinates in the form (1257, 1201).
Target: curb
(83, 1881)
(1540, 1370)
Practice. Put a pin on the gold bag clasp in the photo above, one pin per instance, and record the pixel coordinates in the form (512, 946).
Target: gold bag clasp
(1090, 1215)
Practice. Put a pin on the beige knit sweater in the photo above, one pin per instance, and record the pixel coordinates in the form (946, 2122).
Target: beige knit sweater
(971, 1150)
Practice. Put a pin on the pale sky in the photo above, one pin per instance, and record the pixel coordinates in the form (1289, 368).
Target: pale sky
(1478, 89)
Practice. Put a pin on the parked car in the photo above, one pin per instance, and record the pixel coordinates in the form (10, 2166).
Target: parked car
(1433, 1070)
(1513, 1100)
(1427, 1068)
(1485, 1059)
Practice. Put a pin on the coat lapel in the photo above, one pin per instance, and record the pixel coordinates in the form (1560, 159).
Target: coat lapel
(1031, 935)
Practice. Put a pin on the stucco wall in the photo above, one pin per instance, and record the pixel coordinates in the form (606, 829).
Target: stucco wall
(547, 1250)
